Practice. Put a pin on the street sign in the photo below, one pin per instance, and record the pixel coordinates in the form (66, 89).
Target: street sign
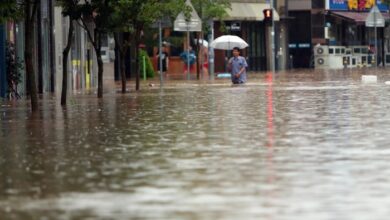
(193, 24)
(375, 18)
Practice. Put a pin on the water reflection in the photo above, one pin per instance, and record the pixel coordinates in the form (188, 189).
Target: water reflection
(296, 145)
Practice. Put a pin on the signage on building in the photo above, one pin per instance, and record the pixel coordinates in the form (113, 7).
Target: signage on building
(235, 26)
(356, 5)
(299, 45)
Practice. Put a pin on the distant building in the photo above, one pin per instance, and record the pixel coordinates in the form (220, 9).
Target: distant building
(333, 22)
(246, 20)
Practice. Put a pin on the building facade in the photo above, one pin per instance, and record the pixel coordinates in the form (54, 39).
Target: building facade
(246, 20)
(49, 40)
(333, 23)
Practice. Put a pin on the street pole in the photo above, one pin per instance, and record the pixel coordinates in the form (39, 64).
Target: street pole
(160, 52)
(188, 55)
(211, 50)
(272, 37)
(376, 41)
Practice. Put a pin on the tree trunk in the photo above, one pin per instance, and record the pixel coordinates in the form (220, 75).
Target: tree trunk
(98, 50)
(100, 71)
(65, 54)
(123, 71)
(136, 55)
(28, 53)
(197, 58)
(122, 50)
(133, 69)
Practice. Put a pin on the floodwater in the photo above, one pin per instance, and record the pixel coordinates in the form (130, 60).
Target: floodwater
(307, 145)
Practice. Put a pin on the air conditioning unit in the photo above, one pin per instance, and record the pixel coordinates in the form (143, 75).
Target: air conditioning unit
(336, 62)
(321, 62)
(353, 61)
(337, 50)
(347, 61)
(321, 50)
(359, 50)
(348, 51)
(371, 60)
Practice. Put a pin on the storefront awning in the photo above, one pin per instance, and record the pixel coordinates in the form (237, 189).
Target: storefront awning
(358, 17)
(248, 12)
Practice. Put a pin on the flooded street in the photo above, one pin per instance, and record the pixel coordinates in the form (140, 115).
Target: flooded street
(307, 145)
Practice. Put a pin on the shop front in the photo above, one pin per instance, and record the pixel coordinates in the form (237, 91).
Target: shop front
(345, 25)
(246, 20)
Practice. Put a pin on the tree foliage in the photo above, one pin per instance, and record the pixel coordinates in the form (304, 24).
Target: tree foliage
(96, 19)
(10, 9)
(134, 17)
(72, 10)
(207, 10)
(14, 70)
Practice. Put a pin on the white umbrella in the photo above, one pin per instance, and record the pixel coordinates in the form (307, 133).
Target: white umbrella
(228, 42)
(202, 42)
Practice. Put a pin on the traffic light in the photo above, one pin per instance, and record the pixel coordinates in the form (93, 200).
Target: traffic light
(268, 15)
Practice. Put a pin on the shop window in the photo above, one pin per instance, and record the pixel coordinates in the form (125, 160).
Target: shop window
(256, 53)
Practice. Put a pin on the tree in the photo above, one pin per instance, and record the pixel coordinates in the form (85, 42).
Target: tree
(26, 9)
(99, 14)
(134, 16)
(9, 9)
(72, 11)
(14, 68)
(30, 10)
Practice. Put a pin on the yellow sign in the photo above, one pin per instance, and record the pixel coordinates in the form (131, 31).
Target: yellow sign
(352, 4)
(370, 3)
(360, 4)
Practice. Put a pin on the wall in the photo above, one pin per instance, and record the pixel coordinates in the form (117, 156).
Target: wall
(298, 5)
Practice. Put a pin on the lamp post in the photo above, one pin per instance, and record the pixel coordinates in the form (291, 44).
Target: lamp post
(211, 50)
(272, 37)
(375, 19)
(159, 51)
(375, 40)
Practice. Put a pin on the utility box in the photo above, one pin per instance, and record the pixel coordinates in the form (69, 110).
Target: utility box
(331, 57)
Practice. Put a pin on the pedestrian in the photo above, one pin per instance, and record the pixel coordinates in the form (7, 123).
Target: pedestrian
(188, 57)
(204, 53)
(165, 60)
(237, 66)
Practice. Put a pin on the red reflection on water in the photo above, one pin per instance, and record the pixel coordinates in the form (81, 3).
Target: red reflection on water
(270, 137)
(270, 118)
